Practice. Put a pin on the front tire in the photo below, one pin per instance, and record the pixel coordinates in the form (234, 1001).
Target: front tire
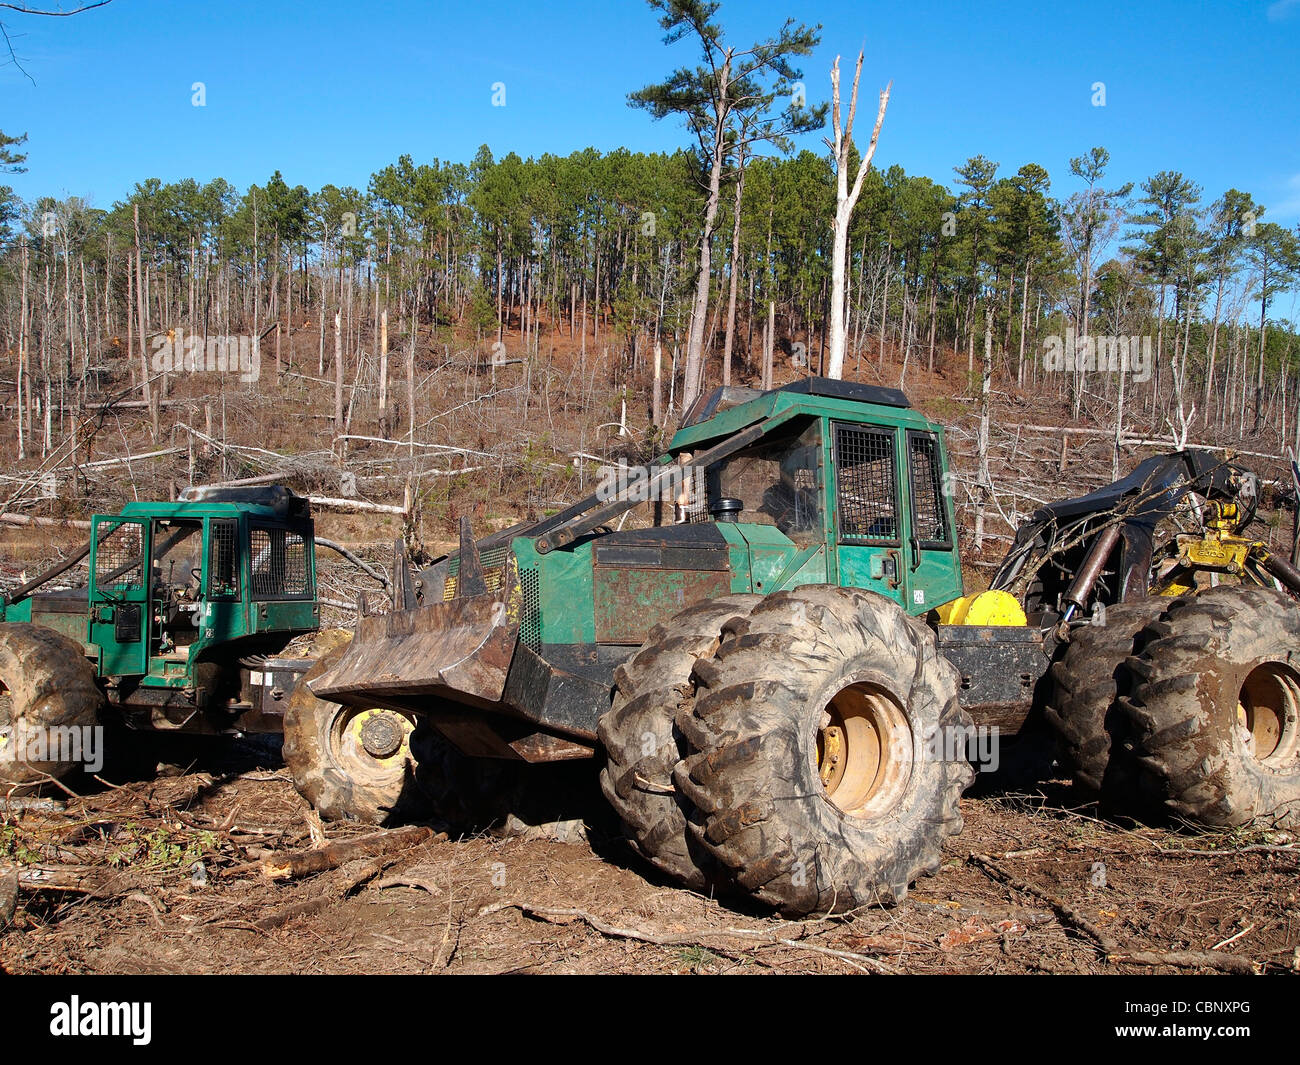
(642, 745)
(828, 751)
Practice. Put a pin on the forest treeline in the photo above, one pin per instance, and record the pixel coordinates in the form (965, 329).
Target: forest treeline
(601, 249)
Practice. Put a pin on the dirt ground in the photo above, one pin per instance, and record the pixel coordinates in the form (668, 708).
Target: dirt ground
(166, 878)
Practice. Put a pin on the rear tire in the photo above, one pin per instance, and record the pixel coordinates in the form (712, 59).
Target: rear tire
(642, 745)
(46, 683)
(819, 768)
(1215, 716)
(350, 764)
(1085, 683)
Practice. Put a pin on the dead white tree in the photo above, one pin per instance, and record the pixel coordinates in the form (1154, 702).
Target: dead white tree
(846, 199)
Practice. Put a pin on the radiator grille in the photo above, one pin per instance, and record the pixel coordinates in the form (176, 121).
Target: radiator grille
(279, 565)
(223, 566)
(530, 622)
(490, 561)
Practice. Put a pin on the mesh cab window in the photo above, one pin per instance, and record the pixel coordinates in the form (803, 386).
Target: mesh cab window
(279, 564)
(119, 556)
(929, 516)
(865, 484)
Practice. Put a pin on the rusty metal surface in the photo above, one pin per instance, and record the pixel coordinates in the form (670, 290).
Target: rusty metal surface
(483, 734)
(477, 734)
(1283, 571)
(544, 747)
(458, 646)
(1000, 666)
(631, 601)
(557, 700)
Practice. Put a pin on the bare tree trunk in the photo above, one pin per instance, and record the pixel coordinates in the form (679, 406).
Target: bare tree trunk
(22, 355)
(1214, 350)
(1259, 380)
(694, 380)
(338, 374)
(657, 400)
(410, 389)
(383, 372)
(769, 343)
(985, 485)
(1119, 423)
(735, 275)
(1024, 326)
(146, 386)
(846, 199)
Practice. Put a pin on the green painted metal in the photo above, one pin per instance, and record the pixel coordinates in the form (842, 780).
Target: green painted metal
(792, 404)
(576, 605)
(770, 552)
(738, 554)
(566, 593)
(628, 602)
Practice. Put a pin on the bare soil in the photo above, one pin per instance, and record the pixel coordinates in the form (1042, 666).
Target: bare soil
(1033, 884)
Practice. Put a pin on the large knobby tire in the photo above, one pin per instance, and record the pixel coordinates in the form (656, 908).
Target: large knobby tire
(1085, 684)
(642, 745)
(351, 764)
(829, 751)
(1215, 715)
(46, 684)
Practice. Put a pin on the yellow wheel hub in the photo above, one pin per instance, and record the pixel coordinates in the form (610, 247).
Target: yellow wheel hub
(1268, 706)
(373, 742)
(864, 751)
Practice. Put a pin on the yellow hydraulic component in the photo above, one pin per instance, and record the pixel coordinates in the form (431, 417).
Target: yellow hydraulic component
(1226, 553)
(1219, 550)
(986, 608)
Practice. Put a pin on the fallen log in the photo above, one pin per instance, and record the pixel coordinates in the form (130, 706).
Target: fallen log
(306, 907)
(1189, 959)
(357, 505)
(30, 519)
(76, 879)
(24, 804)
(761, 937)
(288, 865)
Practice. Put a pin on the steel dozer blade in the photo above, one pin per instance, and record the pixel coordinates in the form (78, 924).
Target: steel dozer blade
(459, 649)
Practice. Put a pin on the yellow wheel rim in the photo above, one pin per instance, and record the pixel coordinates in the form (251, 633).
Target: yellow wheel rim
(1268, 707)
(864, 751)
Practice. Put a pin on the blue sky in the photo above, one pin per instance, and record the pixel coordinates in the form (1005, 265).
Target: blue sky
(331, 91)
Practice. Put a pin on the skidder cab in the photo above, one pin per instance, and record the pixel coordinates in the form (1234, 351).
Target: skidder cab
(178, 623)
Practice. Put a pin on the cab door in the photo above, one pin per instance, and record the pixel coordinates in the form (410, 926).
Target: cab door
(119, 596)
